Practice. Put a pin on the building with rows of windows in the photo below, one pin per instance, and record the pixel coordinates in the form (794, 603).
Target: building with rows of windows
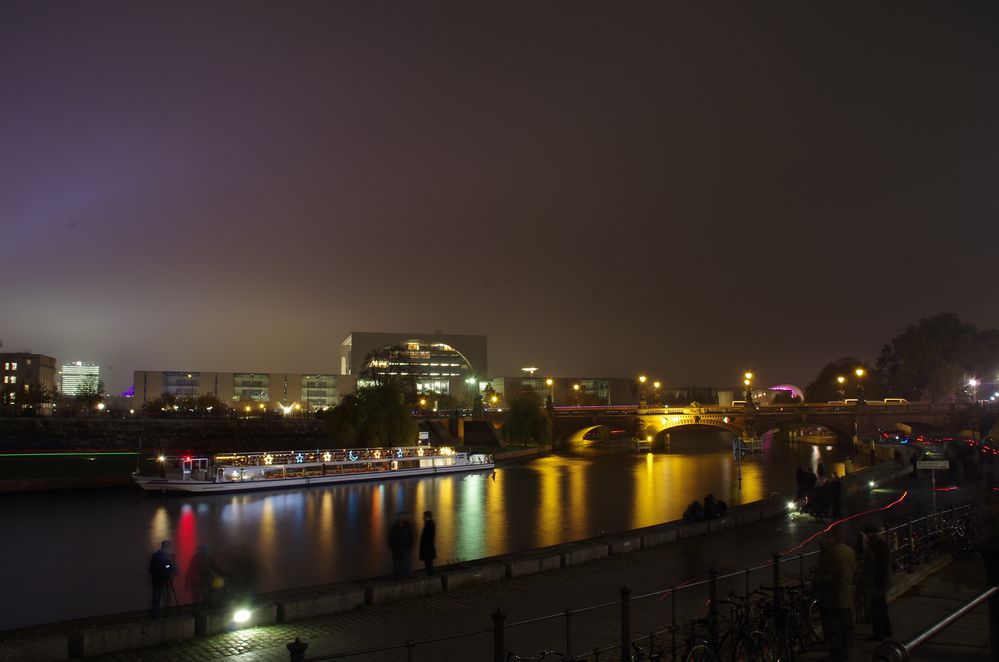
(273, 390)
(26, 379)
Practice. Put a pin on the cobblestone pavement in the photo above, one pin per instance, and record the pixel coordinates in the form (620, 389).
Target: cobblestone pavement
(532, 596)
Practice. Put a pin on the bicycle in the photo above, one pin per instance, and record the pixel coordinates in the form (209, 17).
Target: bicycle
(747, 636)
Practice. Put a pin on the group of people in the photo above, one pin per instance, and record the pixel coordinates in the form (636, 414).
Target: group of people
(205, 581)
(841, 568)
(712, 508)
(818, 493)
(400, 542)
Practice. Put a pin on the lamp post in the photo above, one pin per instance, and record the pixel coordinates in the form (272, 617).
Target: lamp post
(841, 387)
(973, 383)
(575, 389)
(747, 380)
(860, 372)
(641, 390)
(551, 391)
(655, 387)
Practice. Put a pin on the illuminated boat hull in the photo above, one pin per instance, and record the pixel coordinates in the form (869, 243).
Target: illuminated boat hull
(284, 470)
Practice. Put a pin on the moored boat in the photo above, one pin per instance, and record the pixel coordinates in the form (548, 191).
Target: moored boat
(242, 472)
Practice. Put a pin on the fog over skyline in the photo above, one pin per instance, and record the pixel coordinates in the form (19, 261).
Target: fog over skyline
(684, 191)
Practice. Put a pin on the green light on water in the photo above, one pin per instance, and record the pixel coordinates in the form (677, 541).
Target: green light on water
(66, 454)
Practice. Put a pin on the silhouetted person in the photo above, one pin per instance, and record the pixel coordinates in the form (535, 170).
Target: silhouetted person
(877, 606)
(834, 587)
(801, 476)
(820, 470)
(836, 496)
(201, 573)
(713, 507)
(400, 542)
(162, 568)
(428, 550)
(693, 513)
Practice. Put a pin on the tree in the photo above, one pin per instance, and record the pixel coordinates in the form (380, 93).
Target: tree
(825, 387)
(89, 394)
(526, 422)
(372, 417)
(934, 358)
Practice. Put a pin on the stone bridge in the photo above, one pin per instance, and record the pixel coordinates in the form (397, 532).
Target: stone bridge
(575, 425)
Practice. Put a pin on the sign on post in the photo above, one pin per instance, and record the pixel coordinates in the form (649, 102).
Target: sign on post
(933, 464)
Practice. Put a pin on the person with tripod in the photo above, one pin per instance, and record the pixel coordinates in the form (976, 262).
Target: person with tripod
(162, 568)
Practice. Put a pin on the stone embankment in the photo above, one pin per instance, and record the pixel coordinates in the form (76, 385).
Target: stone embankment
(96, 636)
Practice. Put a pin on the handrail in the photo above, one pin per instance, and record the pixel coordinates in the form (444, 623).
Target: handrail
(936, 628)
(893, 650)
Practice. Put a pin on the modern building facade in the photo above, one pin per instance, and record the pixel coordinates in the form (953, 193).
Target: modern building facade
(568, 391)
(25, 378)
(429, 362)
(79, 377)
(312, 391)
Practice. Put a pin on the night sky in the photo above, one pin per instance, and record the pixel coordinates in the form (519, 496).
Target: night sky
(684, 189)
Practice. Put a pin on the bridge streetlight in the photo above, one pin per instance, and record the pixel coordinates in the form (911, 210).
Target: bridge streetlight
(841, 381)
(973, 383)
(748, 382)
(641, 390)
(575, 388)
(551, 391)
(860, 372)
(656, 385)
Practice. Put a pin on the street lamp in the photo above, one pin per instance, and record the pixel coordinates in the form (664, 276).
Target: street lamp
(575, 388)
(551, 393)
(841, 381)
(655, 386)
(973, 383)
(860, 385)
(748, 383)
(641, 390)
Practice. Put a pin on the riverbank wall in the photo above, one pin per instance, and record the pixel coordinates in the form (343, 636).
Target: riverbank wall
(104, 635)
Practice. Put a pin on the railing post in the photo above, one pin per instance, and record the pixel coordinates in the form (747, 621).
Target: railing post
(990, 553)
(778, 612)
(410, 645)
(713, 606)
(568, 633)
(801, 570)
(625, 623)
(672, 620)
(908, 528)
(296, 650)
(747, 582)
(499, 648)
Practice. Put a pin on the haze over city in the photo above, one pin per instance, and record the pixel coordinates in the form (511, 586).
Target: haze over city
(607, 190)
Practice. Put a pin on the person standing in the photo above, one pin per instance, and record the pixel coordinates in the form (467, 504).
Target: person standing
(162, 568)
(201, 572)
(834, 587)
(400, 542)
(428, 550)
(878, 605)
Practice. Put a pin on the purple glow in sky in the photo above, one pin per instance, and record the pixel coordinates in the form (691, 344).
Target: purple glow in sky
(689, 191)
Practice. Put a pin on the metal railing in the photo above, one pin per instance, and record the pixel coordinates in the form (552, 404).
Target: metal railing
(662, 616)
(896, 651)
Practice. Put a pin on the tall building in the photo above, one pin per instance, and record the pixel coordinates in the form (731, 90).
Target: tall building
(428, 362)
(312, 391)
(79, 377)
(25, 378)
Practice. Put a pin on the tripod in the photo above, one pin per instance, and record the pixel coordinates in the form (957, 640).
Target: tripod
(171, 592)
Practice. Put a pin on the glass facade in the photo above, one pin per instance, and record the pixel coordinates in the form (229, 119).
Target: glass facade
(255, 386)
(430, 366)
(79, 377)
(181, 384)
(319, 391)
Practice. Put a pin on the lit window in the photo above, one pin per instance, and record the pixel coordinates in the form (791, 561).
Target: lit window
(6, 379)
(6, 365)
(13, 379)
(13, 366)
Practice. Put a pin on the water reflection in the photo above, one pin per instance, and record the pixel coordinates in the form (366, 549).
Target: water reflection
(305, 537)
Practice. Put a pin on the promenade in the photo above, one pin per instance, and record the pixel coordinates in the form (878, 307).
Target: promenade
(575, 588)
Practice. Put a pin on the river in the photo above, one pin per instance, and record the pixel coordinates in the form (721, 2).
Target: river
(69, 555)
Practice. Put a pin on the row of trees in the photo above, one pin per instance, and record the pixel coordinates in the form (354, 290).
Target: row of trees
(27, 399)
(934, 359)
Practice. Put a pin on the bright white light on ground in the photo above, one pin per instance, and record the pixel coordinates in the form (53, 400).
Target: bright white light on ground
(871, 483)
(791, 505)
(241, 615)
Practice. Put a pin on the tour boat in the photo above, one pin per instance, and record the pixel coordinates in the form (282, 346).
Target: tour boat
(242, 472)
